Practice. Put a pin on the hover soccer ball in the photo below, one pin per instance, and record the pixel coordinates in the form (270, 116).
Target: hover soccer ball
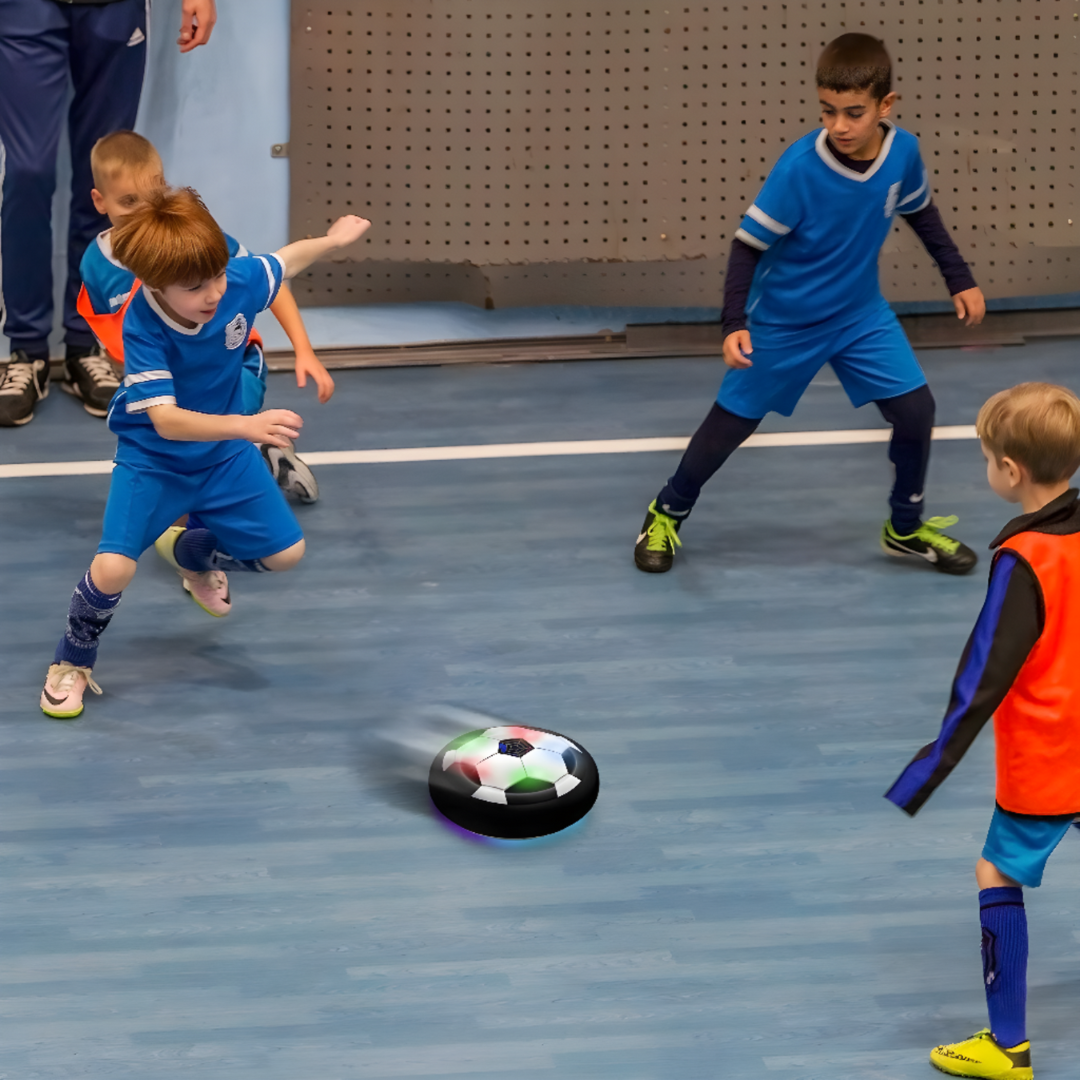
(513, 782)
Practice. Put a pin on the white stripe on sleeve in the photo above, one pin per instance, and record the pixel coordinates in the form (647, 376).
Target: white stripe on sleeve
(914, 194)
(762, 218)
(148, 403)
(147, 376)
(270, 284)
(922, 206)
(753, 241)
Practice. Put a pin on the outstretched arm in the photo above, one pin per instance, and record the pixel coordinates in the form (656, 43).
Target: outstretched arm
(299, 255)
(287, 313)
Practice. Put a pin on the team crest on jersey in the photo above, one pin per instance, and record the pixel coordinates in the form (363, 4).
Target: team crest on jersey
(236, 332)
(891, 199)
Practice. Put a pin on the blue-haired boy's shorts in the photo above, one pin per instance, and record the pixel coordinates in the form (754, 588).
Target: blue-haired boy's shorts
(237, 499)
(1019, 845)
(871, 357)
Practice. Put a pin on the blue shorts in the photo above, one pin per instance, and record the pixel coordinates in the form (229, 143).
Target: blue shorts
(871, 357)
(237, 499)
(253, 380)
(1019, 846)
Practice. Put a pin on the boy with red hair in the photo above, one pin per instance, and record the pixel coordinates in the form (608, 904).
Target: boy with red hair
(184, 443)
(126, 166)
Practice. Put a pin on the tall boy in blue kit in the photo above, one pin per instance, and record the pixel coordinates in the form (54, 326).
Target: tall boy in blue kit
(184, 443)
(802, 281)
(125, 166)
(1021, 665)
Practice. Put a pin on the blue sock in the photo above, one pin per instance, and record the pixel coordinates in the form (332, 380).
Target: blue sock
(1005, 953)
(89, 613)
(197, 550)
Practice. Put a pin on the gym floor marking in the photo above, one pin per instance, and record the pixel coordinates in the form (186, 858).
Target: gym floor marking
(518, 450)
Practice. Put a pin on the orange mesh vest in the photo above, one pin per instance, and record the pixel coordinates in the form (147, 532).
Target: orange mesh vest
(109, 329)
(1037, 726)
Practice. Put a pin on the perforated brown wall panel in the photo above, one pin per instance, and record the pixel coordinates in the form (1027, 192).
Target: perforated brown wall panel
(531, 152)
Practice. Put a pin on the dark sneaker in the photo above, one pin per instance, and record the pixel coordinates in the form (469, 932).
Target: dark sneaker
(91, 378)
(930, 543)
(982, 1057)
(654, 551)
(24, 383)
(290, 472)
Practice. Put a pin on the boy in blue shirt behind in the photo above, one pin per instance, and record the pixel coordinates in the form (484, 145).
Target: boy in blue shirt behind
(803, 280)
(125, 166)
(184, 442)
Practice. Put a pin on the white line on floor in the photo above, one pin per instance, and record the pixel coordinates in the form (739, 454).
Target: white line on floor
(516, 450)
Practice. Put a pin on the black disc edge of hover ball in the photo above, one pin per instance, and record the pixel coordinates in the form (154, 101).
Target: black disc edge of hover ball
(451, 794)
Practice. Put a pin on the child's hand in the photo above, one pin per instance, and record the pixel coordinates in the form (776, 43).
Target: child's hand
(348, 229)
(309, 364)
(737, 348)
(275, 426)
(970, 305)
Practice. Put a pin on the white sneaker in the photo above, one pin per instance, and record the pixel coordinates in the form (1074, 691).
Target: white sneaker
(61, 697)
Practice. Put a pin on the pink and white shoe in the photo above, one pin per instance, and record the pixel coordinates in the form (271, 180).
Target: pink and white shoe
(62, 696)
(209, 589)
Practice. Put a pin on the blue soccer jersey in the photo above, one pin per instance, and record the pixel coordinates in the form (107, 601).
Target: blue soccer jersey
(820, 226)
(196, 368)
(108, 282)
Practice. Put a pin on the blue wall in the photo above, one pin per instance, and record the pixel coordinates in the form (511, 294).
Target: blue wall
(213, 114)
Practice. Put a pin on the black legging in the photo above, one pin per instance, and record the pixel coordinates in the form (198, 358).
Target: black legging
(911, 416)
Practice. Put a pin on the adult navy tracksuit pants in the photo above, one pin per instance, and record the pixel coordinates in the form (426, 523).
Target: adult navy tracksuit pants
(102, 47)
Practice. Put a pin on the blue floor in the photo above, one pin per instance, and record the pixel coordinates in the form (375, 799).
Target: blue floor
(216, 871)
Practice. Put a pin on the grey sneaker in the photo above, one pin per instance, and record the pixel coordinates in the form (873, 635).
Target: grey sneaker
(290, 472)
(24, 383)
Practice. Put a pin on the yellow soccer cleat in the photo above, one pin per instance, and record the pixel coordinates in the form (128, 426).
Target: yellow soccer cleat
(980, 1056)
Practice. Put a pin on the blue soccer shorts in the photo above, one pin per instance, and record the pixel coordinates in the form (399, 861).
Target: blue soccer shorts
(238, 500)
(1019, 845)
(871, 357)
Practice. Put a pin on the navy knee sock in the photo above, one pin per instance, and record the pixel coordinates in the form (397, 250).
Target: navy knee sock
(912, 419)
(89, 612)
(197, 550)
(721, 432)
(1004, 955)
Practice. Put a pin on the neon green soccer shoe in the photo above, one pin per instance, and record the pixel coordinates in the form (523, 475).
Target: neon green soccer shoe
(980, 1056)
(654, 551)
(929, 543)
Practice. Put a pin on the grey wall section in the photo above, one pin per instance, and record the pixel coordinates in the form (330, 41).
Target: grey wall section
(516, 152)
